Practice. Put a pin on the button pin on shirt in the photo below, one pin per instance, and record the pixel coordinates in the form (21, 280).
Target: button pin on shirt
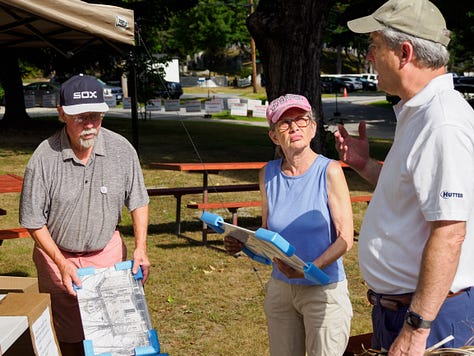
(103, 190)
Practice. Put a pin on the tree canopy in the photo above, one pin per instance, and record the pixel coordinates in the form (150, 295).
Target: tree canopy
(218, 30)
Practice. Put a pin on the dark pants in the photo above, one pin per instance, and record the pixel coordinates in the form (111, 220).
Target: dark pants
(456, 317)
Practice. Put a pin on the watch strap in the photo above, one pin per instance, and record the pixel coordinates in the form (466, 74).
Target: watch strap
(416, 321)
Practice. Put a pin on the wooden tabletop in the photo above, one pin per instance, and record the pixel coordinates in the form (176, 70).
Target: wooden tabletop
(10, 183)
(211, 166)
(216, 166)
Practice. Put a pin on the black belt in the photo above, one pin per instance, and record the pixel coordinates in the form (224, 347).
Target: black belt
(397, 301)
(391, 302)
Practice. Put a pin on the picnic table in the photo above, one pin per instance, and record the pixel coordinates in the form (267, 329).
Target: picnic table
(208, 168)
(213, 168)
(11, 183)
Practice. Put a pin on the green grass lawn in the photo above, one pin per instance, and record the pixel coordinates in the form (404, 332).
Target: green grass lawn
(201, 300)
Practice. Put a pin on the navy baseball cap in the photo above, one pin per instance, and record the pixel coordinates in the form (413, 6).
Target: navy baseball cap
(82, 93)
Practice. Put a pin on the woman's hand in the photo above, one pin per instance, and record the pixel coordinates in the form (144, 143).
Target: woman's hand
(287, 270)
(232, 245)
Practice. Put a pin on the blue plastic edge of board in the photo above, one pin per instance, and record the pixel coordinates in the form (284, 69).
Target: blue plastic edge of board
(314, 274)
(278, 241)
(214, 221)
(120, 266)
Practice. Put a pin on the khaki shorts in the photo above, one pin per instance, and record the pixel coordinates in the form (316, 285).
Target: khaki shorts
(65, 309)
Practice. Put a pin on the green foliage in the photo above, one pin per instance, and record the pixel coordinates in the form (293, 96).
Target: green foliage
(149, 74)
(211, 26)
(245, 72)
(329, 60)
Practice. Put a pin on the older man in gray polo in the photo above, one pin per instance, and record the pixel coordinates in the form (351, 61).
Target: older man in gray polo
(75, 186)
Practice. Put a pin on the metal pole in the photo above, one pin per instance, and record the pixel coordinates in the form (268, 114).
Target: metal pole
(133, 96)
(254, 55)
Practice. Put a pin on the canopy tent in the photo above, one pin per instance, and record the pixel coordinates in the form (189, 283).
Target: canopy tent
(69, 26)
(65, 25)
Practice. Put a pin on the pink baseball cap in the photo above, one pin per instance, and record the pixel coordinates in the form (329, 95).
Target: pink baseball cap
(283, 103)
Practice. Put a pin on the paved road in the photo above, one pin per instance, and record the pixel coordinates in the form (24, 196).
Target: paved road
(349, 111)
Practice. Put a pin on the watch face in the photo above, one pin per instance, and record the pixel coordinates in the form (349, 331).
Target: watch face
(416, 321)
(413, 319)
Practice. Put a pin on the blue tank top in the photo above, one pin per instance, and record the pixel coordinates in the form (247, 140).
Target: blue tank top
(298, 210)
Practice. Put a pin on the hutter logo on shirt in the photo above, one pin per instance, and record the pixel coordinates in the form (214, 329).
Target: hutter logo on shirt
(447, 195)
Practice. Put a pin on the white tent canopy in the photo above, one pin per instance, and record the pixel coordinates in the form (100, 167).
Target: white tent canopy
(65, 25)
(68, 26)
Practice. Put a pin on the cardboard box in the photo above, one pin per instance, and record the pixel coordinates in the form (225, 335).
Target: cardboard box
(358, 344)
(18, 285)
(37, 308)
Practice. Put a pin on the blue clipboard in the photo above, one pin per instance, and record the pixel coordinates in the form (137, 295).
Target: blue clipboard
(263, 245)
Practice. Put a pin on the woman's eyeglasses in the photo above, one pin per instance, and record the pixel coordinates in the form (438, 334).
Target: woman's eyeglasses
(93, 117)
(284, 125)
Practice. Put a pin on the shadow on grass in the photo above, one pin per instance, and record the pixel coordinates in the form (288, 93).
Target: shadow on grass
(15, 273)
(251, 223)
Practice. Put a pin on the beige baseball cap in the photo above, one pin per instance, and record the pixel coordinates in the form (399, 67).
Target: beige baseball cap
(419, 18)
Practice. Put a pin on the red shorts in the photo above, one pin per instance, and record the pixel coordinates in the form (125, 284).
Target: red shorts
(65, 309)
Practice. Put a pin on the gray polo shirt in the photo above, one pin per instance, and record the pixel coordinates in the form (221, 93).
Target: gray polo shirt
(81, 204)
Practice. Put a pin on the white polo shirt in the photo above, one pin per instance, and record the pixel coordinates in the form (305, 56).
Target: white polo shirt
(428, 175)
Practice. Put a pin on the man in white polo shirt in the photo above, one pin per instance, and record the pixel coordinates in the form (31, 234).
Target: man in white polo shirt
(416, 243)
(75, 186)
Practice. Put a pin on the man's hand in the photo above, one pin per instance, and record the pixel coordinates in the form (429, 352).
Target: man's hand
(410, 342)
(69, 276)
(353, 150)
(140, 259)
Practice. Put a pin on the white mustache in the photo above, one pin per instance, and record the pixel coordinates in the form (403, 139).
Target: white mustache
(90, 131)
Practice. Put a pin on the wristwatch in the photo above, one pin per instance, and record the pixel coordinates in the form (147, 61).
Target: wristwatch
(416, 321)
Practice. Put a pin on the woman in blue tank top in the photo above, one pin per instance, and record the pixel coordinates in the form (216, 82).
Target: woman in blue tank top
(306, 200)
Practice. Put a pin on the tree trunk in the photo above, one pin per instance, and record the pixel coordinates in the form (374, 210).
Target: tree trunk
(289, 37)
(10, 77)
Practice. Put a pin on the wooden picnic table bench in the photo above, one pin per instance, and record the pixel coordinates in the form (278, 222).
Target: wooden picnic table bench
(233, 206)
(13, 233)
(11, 183)
(178, 192)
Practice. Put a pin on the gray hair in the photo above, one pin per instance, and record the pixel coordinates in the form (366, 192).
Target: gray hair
(428, 53)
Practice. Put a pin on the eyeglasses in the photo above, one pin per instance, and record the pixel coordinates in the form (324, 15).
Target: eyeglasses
(93, 117)
(284, 125)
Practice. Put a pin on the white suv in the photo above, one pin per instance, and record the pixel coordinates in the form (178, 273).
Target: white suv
(371, 77)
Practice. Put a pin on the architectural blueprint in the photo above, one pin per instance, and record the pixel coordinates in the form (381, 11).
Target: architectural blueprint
(113, 310)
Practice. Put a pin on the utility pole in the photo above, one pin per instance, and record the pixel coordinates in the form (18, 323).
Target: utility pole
(254, 55)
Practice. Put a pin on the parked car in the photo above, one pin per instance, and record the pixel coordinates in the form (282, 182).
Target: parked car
(368, 85)
(333, 84)
(327, 84)
(110, 90)
(168, 90)
(371, 77)
(352, 83)
(39, 89)
(464, 85)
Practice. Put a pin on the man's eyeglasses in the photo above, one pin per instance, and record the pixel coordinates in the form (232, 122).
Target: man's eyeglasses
(284, 125)
(93, 117)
